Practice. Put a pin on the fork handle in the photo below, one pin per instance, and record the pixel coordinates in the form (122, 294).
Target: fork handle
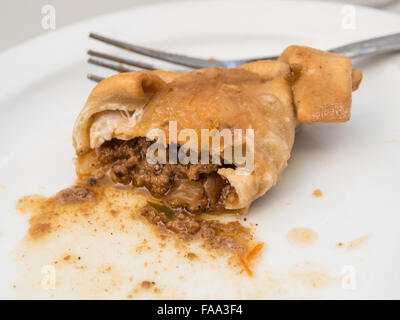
(377, 45)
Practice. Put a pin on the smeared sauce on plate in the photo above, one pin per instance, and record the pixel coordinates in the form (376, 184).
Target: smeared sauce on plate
(354, 244)
(97, 243)
(302, 237)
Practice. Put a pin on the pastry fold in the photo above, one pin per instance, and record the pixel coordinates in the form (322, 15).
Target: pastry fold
(270, 97)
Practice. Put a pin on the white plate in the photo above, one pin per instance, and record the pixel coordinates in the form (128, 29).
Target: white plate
(357, 164)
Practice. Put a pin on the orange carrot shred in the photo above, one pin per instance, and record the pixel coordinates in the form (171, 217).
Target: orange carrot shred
(254, 252)
(245, 266)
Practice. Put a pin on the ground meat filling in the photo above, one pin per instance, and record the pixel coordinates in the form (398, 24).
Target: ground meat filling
(193, 187)
(229, 236)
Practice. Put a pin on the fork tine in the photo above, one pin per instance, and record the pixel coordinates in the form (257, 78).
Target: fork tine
(121, 60)
(111, 66)
(160, 55)
(94, 78)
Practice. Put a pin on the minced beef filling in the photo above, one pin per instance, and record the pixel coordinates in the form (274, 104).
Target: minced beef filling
(229, 236)
(194, 187)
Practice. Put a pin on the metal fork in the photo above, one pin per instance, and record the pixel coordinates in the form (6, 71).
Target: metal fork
(354, 50)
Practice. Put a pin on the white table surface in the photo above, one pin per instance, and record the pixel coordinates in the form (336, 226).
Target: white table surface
(20, 20)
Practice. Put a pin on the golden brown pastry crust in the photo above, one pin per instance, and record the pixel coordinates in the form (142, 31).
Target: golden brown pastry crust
(257, 95)
(323, 84)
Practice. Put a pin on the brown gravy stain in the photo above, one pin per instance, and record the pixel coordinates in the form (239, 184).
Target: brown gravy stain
(302, 237)
(317, 193)
(102, 248)
(354, 244)
(2, 187)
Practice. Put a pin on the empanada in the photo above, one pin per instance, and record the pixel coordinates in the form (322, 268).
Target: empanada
(269, 97)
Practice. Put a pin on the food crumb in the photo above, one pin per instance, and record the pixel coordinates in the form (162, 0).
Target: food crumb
(317, 193)
(147, 284)
(113, 212)
(156, 290)
(191, 256)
